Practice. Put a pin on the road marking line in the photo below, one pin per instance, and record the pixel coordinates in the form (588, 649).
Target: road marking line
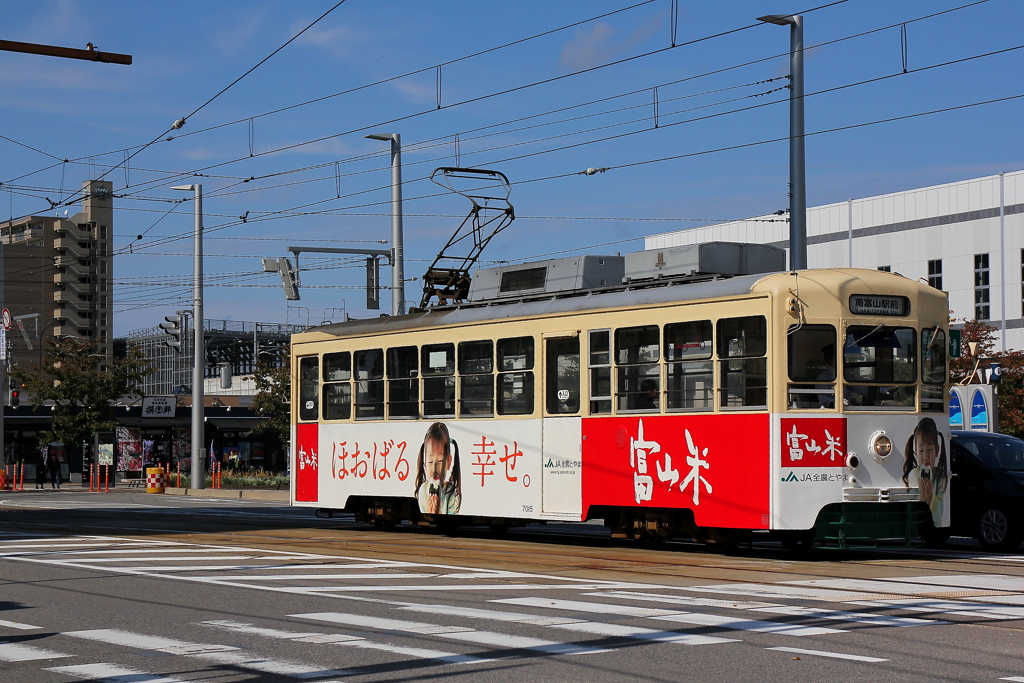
(1013, 678)
(667, 615)
(342, 639)
(964, 609)
(580, 625)
(86, 561)
(16, 652)
(18, 625)
(219, 654)
(858, 617)
(493, 639)
(286, 577)
(776, 591)
(999, 582)
(108, 673)
(834, 655)
(327, 590)
(682, 600)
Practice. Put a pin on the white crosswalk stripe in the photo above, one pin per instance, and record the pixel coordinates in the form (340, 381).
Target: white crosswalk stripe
(668, 615)
(17, 652)
(218, 654)
(109, 673)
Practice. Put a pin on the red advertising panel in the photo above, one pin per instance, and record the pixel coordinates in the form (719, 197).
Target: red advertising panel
(814, 442)
(307, 462)
(716, 465)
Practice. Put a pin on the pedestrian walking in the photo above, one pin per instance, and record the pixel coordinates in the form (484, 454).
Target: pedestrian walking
(41, 470)
(53, 465)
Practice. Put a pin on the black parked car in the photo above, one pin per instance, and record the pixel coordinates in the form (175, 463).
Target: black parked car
(987, 488)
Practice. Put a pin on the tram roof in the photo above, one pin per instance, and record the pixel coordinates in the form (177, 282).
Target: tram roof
(564, 302)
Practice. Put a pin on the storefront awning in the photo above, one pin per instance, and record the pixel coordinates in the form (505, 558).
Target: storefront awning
(237, 423)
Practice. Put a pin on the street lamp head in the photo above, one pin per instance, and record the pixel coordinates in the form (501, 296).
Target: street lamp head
(777, 19)
(184, 188)
(383, 137)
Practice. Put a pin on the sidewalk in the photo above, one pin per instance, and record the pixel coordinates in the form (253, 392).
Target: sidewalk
(246, 494)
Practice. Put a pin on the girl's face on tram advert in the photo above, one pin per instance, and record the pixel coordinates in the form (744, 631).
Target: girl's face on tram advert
(435, 460)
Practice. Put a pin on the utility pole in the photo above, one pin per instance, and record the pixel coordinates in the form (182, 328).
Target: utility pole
(797, 176)
(198, 343)
(397, 238)
(89, 54)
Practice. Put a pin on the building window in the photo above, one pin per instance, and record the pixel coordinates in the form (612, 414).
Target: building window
(103, 232)
(935, 273)
(981, 292)
(885, 269)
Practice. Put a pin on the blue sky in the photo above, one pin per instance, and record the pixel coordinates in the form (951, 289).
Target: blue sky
(185, 52)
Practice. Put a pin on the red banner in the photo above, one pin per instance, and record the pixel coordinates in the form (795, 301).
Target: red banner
(814, 442)
(307, 462)
(715, 465)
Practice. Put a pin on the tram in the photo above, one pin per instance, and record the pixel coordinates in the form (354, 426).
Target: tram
(700, 392)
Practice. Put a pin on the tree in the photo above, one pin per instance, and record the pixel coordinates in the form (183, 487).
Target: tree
(1011, 390)
(70, 377)
(273, 379)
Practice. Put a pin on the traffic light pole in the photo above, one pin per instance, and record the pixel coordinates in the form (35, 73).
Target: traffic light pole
(198, 350)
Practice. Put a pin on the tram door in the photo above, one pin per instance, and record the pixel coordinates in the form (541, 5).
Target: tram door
(561, 455)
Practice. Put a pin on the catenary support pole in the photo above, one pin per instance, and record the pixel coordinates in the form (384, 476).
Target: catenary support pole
(198, 342)
(1002, 255)
(397, 237)
(797, 176)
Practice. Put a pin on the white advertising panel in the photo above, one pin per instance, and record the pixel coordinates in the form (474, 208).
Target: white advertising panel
(486, 467)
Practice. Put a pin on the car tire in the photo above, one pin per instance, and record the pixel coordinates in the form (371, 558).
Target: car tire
(998, 531)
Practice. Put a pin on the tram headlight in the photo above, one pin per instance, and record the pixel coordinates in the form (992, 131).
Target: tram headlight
(880, 445)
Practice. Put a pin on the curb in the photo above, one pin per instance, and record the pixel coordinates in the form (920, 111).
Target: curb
(278, 496)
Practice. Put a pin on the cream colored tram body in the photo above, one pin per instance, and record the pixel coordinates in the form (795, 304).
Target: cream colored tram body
(797, 404)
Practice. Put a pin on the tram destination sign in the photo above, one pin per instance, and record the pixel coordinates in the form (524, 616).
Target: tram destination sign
(870, 304)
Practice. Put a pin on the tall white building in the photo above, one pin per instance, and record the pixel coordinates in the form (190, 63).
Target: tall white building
(966, 238)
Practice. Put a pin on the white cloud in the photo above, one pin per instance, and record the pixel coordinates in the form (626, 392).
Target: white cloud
(597, 43)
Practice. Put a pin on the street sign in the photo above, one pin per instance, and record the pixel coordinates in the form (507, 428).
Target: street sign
(7, 319)
(955, 348)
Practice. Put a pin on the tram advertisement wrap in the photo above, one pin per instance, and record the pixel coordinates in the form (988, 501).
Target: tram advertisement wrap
(485, 468)
(716, 465)
(306, 463)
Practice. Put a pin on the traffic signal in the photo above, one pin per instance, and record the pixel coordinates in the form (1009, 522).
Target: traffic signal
(15, 395)
(173, 328)
(289, 276)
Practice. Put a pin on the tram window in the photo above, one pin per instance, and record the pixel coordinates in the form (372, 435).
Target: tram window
(880, 354)
(563, 376)
(742, 345)
(476, 378)
(403, 384)
(689, 379)
(337, 389)
(877, 360)
(337, 401)
(600, 372)
(515, 389)
(933, 369)
(812, 358)
(637, 351)
(309, 387)
(337, 367)
(369, 384)
(438, 363)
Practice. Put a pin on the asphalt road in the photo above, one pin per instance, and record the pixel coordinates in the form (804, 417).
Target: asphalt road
(138, 588)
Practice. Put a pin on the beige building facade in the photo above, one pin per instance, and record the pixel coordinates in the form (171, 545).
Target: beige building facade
(58, 276)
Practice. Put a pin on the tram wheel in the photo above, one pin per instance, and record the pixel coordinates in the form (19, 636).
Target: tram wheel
(384, 524)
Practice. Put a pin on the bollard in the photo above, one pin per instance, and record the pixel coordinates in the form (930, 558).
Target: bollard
(106, 478)
(154, 480)
(21, 487)
(178, 481)
(92, 478)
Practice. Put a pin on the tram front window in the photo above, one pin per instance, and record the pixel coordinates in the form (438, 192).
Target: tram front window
(369, 384)
(309, 387)
(880, 367)
(637, 351)
(438, 363)
(812, 359)
(476, 378)
(933, 370)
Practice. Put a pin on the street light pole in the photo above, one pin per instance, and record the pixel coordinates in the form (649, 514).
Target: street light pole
(198, 342)
(397, 238)
(797, 176)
